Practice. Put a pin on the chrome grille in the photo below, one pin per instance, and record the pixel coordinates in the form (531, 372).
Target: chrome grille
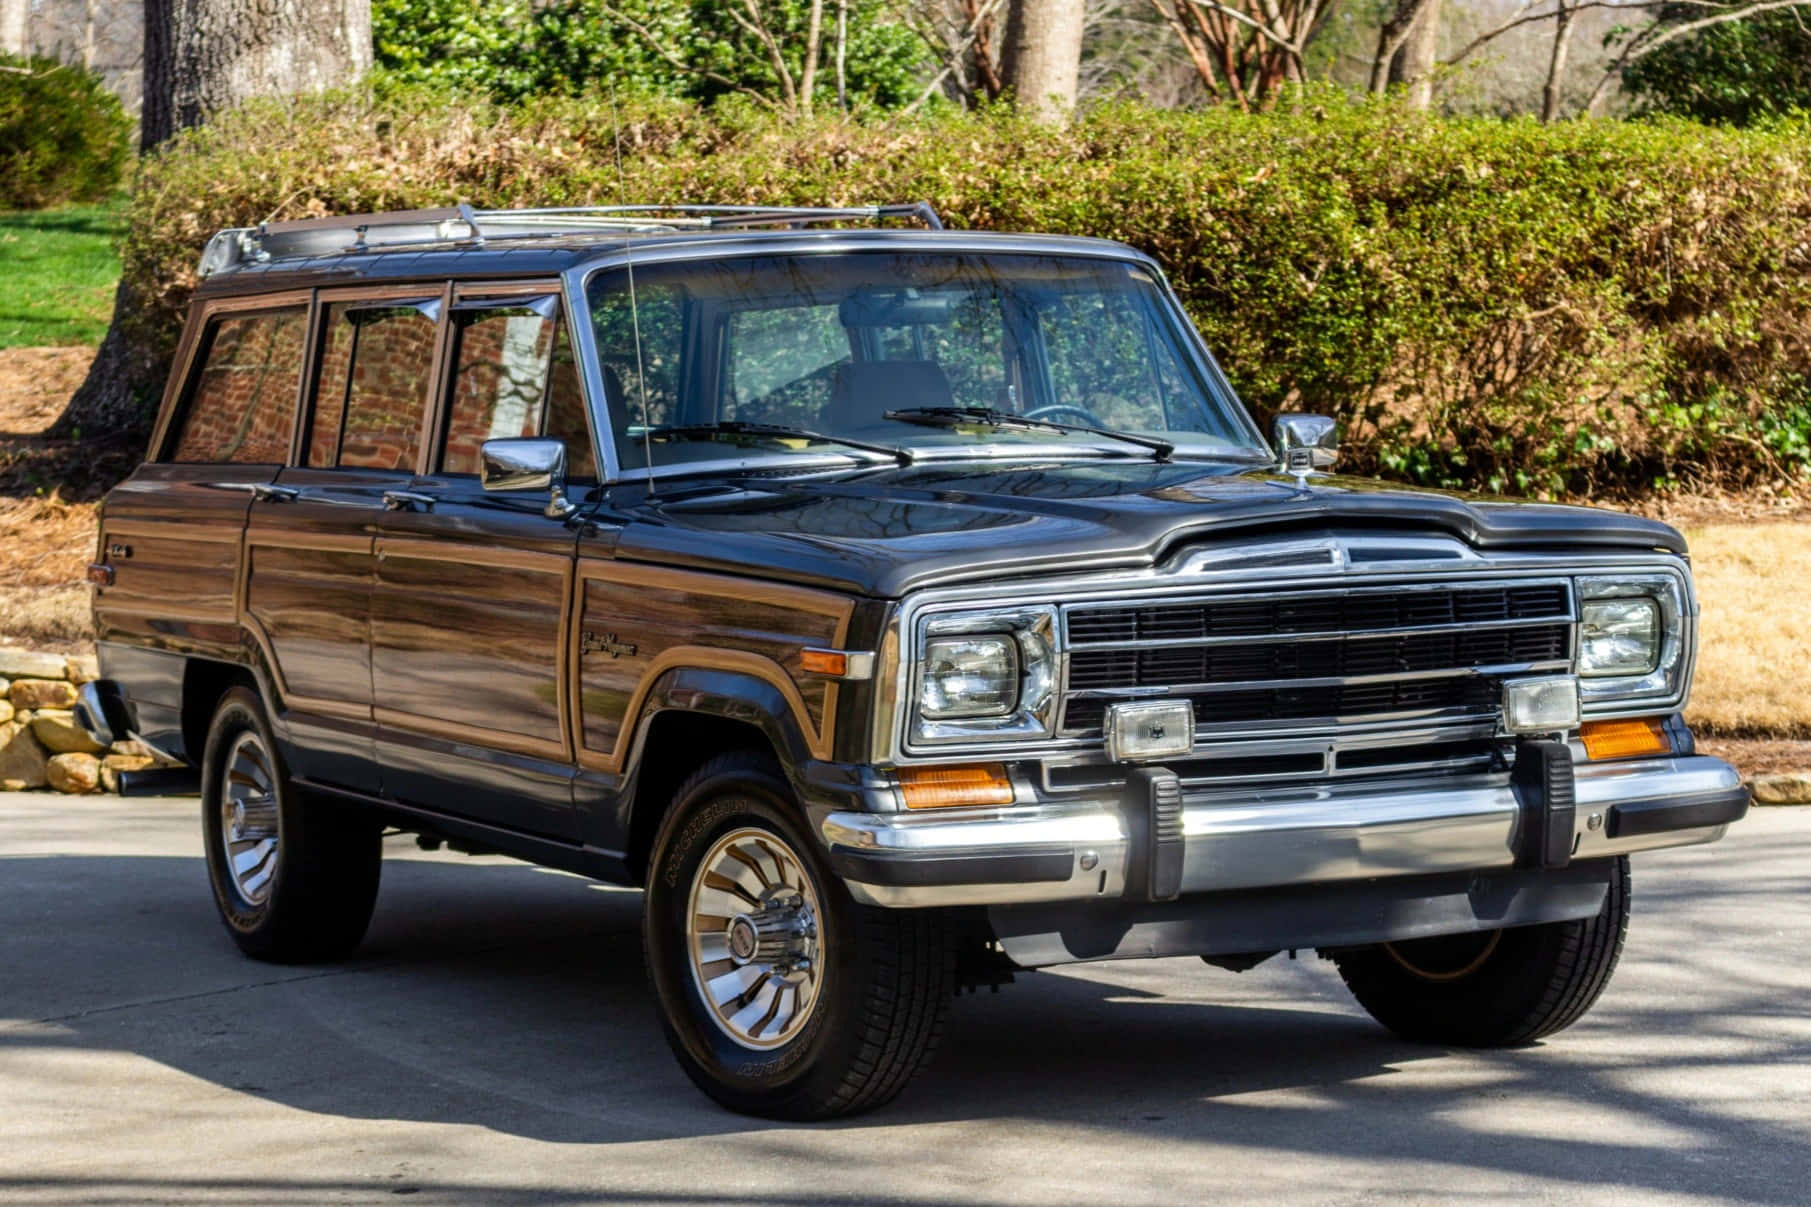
(1316, 657)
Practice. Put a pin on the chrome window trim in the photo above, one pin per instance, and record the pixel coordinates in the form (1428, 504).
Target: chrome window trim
(892, 729)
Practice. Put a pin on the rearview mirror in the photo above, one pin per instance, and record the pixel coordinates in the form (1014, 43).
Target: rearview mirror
(1305, 442)
(527, 463)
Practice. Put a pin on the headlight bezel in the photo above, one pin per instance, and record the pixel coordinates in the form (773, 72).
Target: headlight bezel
(1664, 685)
(1032, 716)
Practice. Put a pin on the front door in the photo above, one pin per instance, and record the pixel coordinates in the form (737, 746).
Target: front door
(470, 638)
(311, 538)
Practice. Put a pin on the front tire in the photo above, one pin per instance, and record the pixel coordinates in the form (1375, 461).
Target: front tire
(1492, 989)
(780, 995)
(294, 879)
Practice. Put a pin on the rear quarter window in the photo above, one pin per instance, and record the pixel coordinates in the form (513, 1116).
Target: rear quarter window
(242, 401)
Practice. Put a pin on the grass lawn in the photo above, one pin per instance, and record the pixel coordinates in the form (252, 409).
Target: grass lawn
(1754, 659)
(58, 270)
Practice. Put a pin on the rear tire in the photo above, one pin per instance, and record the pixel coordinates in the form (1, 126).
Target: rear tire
(294, 878)
(1493, 989)
(782, 997)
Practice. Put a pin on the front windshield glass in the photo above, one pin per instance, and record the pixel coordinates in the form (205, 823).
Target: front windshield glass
(831, 344)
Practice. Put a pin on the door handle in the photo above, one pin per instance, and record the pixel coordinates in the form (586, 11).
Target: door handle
(407, 500)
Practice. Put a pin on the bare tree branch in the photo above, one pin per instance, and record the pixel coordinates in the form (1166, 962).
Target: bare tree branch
(1639, 48)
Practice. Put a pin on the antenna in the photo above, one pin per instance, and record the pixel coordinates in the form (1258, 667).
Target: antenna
(641, 374)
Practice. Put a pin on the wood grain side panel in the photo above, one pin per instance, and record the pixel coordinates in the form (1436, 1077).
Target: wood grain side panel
(674, 618)
(469, 648)
(310, 605)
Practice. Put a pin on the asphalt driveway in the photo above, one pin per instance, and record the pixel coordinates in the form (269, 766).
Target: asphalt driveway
(494, 1042)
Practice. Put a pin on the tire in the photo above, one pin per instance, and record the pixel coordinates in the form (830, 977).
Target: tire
(848, 1001)
(1493, 989)
(294, 878)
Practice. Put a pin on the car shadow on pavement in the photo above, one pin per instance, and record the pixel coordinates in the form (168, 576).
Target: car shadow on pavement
(513, 999)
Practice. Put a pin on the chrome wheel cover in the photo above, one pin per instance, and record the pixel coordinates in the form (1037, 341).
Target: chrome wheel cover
(752, 931)
(250, 822)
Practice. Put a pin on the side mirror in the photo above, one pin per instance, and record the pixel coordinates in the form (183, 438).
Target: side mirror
(529, 463)
(1305, 442)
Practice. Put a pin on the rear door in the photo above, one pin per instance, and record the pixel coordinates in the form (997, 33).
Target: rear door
(310, 542)
(171, 533)
(470, 634)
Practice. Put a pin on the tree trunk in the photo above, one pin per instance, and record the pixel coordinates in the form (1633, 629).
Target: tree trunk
(15, 27)
(202, 56)
(1556, 62)
(1041, 59)
(1415, 61)
(205, 55)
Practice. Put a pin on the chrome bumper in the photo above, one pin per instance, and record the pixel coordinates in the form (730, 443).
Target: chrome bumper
(1083, 849)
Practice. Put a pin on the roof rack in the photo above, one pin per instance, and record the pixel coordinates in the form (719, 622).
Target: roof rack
(354, 234)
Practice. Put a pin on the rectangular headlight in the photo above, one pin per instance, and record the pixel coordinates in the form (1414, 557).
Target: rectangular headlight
(1619, 637)
(973, 675)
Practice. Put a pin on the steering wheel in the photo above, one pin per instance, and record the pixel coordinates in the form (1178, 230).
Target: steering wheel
(1063, 412)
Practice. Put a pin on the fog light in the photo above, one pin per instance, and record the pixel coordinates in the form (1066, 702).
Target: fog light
(1150, 729)
(953, 787)
(1624, 739)
(1540, 705)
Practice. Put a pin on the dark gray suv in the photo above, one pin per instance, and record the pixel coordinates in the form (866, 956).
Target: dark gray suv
(901, 608)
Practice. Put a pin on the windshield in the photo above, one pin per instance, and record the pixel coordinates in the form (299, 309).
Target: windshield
(877, 347)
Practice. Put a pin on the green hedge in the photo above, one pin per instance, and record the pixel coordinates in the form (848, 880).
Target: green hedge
(62, 135)
(1586, 307)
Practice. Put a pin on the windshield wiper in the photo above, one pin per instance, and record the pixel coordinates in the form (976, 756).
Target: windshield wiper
(994, 417)
(735, 427)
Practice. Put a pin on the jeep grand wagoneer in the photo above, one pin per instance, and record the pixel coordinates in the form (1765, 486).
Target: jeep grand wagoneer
(899, 607)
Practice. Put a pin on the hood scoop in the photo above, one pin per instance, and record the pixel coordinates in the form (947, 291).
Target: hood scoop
(1334, 551)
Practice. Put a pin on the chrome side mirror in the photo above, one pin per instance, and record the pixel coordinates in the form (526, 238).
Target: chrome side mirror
(527, 463)
(1305, 443)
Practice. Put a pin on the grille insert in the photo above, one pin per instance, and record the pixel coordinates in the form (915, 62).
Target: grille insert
(1359, 654)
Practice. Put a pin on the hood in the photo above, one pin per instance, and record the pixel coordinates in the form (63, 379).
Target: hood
(886, 532)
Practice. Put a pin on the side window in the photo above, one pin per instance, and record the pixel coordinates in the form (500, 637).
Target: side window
(514, 375)
(242, 405)
(502, 361)
(376, 367)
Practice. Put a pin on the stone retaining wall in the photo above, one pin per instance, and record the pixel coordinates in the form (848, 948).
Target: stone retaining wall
(41, 744)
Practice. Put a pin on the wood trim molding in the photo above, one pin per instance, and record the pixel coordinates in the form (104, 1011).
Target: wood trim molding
(470, 735)
(197, 531)
(318, 542)
(428, 549)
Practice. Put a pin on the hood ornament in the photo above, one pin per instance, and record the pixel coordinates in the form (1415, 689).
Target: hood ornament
(1305, 444)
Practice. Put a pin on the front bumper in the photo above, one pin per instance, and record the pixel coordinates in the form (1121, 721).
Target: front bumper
(1092, 849)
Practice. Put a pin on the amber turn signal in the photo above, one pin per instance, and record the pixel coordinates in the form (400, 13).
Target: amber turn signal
(952, 787)
(824, 662)
(1624, 739)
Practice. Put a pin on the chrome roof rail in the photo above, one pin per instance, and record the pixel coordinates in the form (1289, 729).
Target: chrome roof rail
(461, 224)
